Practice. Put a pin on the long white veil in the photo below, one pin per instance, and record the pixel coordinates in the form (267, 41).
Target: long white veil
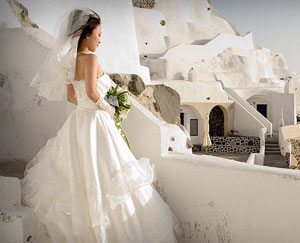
(59, 65)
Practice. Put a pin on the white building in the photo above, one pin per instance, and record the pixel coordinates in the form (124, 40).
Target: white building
(173, 39)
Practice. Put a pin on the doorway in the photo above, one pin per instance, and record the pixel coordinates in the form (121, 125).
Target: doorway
(262, 109)
(216, 122)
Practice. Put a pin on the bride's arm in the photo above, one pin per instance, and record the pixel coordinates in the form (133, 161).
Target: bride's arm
(91, 65)
(71, 94)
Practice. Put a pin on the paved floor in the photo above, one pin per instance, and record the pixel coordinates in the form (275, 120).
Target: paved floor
(275, 160)
(234, 156)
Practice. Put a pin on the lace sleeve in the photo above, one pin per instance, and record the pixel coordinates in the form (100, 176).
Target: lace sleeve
(68, 74)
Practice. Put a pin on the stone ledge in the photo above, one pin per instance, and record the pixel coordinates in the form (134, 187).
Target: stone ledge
(241, 144)
(143, 3)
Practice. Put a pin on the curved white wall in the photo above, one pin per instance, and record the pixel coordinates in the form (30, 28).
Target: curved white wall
(27, 120)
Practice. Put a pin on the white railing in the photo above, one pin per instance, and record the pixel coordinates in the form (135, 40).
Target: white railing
(259, 117)
(285, 146)
(258, 158)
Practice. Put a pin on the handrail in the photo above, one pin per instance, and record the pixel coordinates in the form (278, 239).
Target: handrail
(251, 110)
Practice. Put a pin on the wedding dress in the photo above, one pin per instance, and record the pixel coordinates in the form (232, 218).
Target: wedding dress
(86, 186)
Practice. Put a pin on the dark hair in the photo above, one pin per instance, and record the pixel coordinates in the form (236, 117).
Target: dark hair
(86, 29)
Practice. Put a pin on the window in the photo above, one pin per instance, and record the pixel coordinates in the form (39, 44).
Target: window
(194, 127)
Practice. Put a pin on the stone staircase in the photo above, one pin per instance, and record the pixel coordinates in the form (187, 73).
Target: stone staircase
(17, 222)
(272, 145)
(273, 155)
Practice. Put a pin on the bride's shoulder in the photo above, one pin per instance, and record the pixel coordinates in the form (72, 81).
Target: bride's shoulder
(91, 58)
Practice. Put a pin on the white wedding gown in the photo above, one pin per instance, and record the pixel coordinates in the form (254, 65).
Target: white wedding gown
(86, 186)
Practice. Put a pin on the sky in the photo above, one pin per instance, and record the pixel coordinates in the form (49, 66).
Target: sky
(275, 24)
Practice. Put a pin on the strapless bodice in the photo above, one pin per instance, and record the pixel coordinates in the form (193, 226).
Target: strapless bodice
(83, 101)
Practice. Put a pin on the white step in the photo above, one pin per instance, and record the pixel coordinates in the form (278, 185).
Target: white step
(17, 225)
(17, 222)
(10, 192)
(272, 152)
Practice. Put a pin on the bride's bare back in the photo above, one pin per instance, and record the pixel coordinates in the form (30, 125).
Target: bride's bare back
(81, 70)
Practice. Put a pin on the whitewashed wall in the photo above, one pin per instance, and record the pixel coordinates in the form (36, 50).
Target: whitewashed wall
(226, 201)
(274, 97)
(211, 49)
(182, 57)
(285, 133)
(247, 114)
(256, 100)
(190, 20)
(288, 102)
(291, 131)
(150, 33)
(198, 91)
(244, 122)
(27, 120)
(192, 113)
(186, 22)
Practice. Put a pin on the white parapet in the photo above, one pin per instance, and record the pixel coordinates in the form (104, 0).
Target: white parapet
(17, 223)
(216, 199)
(211, 49)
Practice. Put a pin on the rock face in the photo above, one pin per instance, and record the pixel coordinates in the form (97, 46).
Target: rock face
(143, 3)
(161, 100)
(132, 82)
(167, 102)
(21, 13)
(241, 68)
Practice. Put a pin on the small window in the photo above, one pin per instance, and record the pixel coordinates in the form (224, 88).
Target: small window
(194, 127)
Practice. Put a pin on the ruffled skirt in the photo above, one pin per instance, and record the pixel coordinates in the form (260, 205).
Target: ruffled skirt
(85, 185)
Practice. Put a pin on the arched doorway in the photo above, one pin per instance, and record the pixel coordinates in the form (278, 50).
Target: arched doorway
(216, 122)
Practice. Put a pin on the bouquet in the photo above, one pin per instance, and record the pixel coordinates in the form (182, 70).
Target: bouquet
(120, 100)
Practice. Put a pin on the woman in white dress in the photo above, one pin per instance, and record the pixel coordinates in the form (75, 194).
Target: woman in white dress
(85, 185)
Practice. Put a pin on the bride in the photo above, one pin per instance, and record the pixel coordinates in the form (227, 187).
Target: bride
(85, 185)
